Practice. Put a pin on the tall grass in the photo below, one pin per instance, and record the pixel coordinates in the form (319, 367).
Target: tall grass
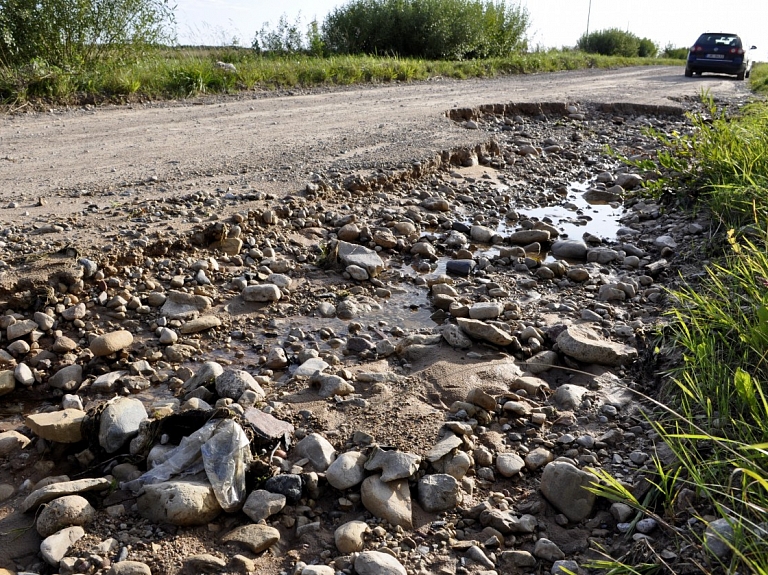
(183, 72)
(715, 412)
(758, 79)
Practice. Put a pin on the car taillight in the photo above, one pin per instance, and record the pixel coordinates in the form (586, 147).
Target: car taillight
(738, 51)
(697, 49)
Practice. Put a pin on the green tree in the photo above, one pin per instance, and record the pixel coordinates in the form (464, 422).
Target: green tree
(615, 42)
(79, 33)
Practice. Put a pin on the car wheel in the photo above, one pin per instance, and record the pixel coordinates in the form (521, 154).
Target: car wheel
(688, 73)
(740, 76)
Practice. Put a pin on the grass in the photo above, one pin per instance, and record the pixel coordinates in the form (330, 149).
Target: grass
(184, 72)
(714, 414)
(758, 78)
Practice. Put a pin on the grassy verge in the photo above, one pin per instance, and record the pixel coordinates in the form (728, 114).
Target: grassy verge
(715, 412)
(174, 73)
(758, 78)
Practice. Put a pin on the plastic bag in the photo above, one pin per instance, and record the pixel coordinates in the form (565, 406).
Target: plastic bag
(226, 456)
(221, 448)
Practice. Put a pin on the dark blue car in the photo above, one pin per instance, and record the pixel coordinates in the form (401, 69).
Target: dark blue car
(719, 52)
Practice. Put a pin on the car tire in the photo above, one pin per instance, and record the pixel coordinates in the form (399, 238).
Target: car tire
(688, 73)
(740, 76)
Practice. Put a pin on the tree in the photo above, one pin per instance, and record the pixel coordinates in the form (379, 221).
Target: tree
(79, 33)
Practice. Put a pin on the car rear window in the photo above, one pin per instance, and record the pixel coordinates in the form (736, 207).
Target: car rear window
(719, 40)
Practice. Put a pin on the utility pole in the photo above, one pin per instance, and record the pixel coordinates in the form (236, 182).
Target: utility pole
(589, 12)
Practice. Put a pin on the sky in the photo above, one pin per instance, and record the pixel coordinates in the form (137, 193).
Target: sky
(554, 23)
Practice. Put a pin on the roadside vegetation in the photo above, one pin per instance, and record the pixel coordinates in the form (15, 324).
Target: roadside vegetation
(615, 42)
(713, 412)
(126, 53)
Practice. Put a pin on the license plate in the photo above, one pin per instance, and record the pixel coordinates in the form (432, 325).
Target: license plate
(717, 56)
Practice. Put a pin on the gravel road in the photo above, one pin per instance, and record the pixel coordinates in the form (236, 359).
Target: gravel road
(274, 141)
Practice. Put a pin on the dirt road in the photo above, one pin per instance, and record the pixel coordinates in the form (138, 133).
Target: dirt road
(274, 142)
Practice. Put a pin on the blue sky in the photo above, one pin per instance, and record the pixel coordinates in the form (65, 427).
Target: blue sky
(555, 23)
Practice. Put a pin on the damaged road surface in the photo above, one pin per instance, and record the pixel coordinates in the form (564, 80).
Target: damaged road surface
(408, 367)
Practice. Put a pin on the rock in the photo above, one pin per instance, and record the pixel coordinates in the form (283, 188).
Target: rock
(393, 464)
(569, 396)
(569, 249)
(480, 330)
(352, 254)
(719, 538)
(480, 398)
(378, 563)
(357, 273)
(598, 196)
(129, 568)
(318, 570)
(349, 232)
(182, 305)
(486, 310)
(347, 470)
(61, 489)
(509, 560)
(444, 447)
(262, 293)
(583, 344)
(509, 464)
(255, 538)
(68, 378)
(232, 383)
(331, 385)
(23, 375)
(207, 374)
(481, 234)
(182, 503)
(55, 548)
(390, 501)
(436, 204)
(288, 484)
(541, 362)
(455, 337)
(317, 449)
(63, 512)
(20, 329)
(199, 324)
(262, 504)
(460, 267)
(59, 426)
(525, 237)
(350, 536)
(112, 342)
(537, 458)
(11, 442)
(547, 550)
(564, 486)
(439, 492)
(276, 358)
(120, 423)
(628, 181)
(310, 367)
(7, 381)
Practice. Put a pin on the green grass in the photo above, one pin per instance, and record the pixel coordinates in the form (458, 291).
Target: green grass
(758, 78)
(174, 73)
(714, 411)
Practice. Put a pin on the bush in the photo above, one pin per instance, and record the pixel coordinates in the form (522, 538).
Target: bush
(431, 29)
(674, 53)
(615, 42)
(72, 34)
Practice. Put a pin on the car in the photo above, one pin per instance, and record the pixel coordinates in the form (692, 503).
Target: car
(719, 52)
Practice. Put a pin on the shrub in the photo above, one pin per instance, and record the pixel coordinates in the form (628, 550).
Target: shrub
(431, 29)
(72, 34)
(615, 42)
(674, 53)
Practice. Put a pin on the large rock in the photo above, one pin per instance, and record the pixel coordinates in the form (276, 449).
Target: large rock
(350, 537)
(179, 503)
(353, 254)
(393, 464)
(68, 378)
(347, 471)
(455, 337)
(232, 383)
(207, 374)
(7, 381)
(120, 422)
(199, 324)
(378, 563)
(262, 293)
(110, 343)
(255, 538)
(56, 490)
(486, 310)
(525, 237)
(12, 441)
(66, 511)
(182, 305)
(317, 449)
(487, 332)
(129, 568)
(59, 426)
(509, 464)
(439, 492)
(564, 485)
(583, 344)
(569, 249)
(390, 501)
(55, 548)
(262, 504)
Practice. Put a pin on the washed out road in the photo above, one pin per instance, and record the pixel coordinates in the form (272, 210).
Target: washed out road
(274, 142)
